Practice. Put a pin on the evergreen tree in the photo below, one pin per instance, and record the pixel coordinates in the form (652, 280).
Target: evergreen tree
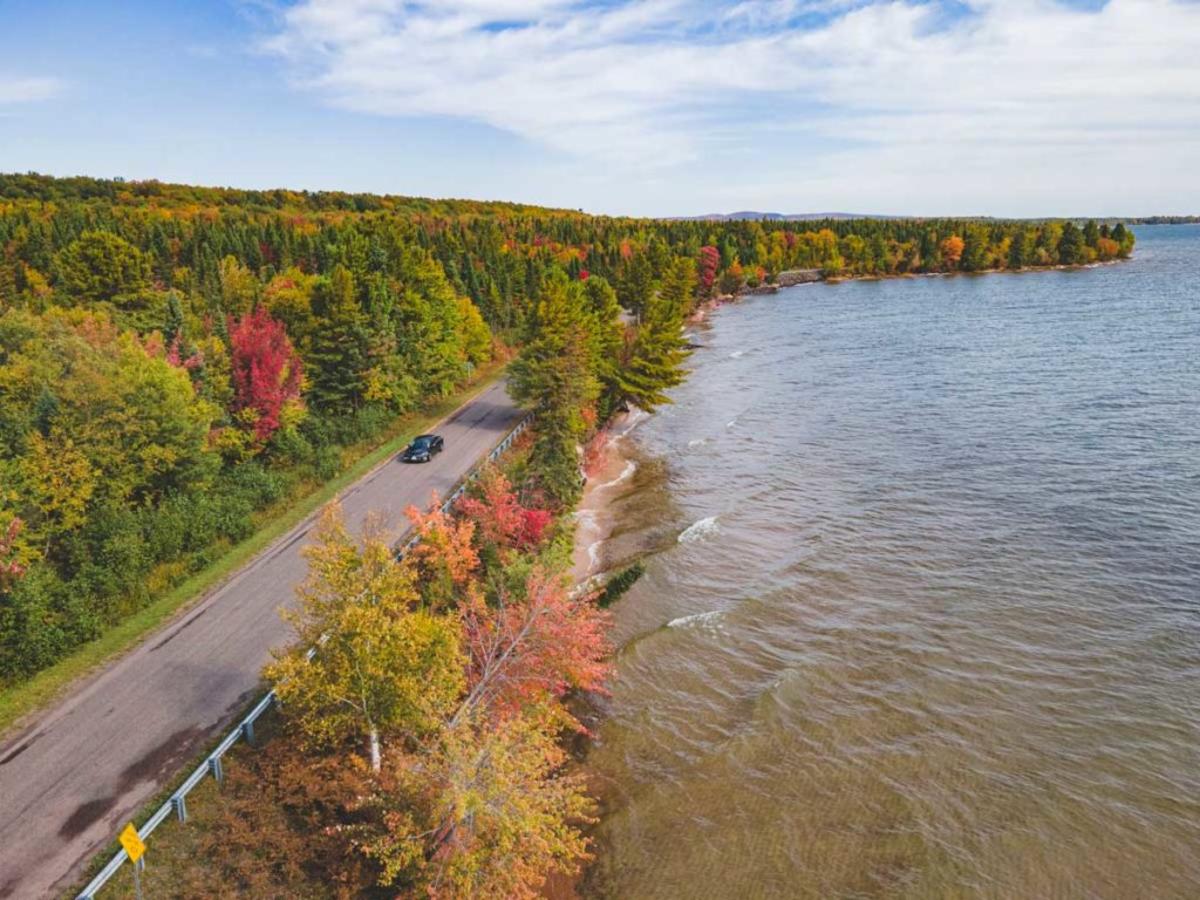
(338, 359)
(606, 339)
(636, 284)
(173, 324)
(1124, 238)
(656, 359)
(1070, 245)
(553, 377)
(1020, 251)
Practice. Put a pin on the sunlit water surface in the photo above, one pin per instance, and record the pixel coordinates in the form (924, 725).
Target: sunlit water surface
(922, 610)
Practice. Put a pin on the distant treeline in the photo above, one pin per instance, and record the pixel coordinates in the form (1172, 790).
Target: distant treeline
(1166, 220)
(174, 359)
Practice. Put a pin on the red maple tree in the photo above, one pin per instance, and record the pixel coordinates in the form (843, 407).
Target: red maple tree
(267, 372)
(500, 519)
(706, 271)
(538, 645)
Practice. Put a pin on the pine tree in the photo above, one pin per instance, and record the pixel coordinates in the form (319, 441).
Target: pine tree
(636, 284)
(338, 359)
(656, 358)
(553, 377)
(1070, 246)
(606, 337)
(173, 323)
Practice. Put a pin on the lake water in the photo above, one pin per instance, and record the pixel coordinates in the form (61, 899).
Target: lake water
(922, 610)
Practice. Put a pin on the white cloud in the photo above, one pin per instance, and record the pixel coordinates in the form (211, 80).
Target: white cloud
(27, 90)
(900, 86)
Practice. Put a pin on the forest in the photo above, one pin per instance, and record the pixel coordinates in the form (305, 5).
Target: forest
(174, 360)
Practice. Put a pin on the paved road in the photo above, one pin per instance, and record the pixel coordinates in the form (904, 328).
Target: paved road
(69, 781)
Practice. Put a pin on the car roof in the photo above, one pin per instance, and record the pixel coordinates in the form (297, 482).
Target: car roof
(424, 437)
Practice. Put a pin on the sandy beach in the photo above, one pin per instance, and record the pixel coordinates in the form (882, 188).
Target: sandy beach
(608, 465)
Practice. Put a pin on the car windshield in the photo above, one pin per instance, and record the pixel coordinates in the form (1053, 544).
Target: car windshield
(421, 443)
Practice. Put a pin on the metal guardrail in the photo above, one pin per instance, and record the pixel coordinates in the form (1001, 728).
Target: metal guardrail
(177, 803)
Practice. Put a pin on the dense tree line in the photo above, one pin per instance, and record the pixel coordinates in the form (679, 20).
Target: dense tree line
(174, 359)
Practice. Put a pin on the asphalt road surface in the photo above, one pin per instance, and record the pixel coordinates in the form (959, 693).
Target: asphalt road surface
(72, 779)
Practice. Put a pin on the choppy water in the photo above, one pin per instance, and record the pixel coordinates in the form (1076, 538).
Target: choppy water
(922, 610)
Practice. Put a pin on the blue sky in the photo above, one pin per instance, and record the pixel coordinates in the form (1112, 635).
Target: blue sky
(649, 107)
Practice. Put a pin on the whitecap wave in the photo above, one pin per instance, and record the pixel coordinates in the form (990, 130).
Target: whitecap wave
(634, 418)
(698, 442)
(699, 530)
(737, 354)
(706, 619)
(626, 474)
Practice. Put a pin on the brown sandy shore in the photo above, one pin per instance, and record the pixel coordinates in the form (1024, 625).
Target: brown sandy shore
(607, 465)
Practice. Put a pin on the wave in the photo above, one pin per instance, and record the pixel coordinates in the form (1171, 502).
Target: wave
(698, 442)
(700, 530)
(737, 354)
(593, 553)
(710, 618)
(633, 419)
(626, 474)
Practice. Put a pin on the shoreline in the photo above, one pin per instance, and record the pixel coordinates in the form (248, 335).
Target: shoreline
(606, 467)
(768, 289)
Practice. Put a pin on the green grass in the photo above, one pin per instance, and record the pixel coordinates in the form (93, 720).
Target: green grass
(22, 699)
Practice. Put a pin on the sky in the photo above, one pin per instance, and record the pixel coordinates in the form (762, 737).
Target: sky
(641, 107)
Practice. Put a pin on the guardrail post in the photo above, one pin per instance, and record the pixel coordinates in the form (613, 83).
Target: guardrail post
(214, 766)
(180, 803)
(248, 732)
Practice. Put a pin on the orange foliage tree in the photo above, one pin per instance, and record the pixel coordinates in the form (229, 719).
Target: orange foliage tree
(952, 251)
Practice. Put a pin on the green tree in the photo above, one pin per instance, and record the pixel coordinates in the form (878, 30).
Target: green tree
(136, 418)
(553, 377)
(239, 287)
(338, 358)
(1071, 245)
(1124, 238)
(476, 337)
(606, 337)
(1021, 250)
(173, 321)
(656, 358)
(976, 244)
(100, 266)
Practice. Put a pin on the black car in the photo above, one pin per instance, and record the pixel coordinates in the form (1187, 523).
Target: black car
(423, 448)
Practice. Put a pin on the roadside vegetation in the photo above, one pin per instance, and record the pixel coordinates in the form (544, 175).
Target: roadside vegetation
(420, 751)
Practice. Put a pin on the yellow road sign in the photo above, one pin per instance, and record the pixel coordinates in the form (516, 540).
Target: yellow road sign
(132, 843)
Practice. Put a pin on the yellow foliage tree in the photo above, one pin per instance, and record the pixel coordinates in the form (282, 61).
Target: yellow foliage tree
(58, 480)
(383, 667)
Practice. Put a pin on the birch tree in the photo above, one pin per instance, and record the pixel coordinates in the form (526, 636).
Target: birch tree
(383, 667)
